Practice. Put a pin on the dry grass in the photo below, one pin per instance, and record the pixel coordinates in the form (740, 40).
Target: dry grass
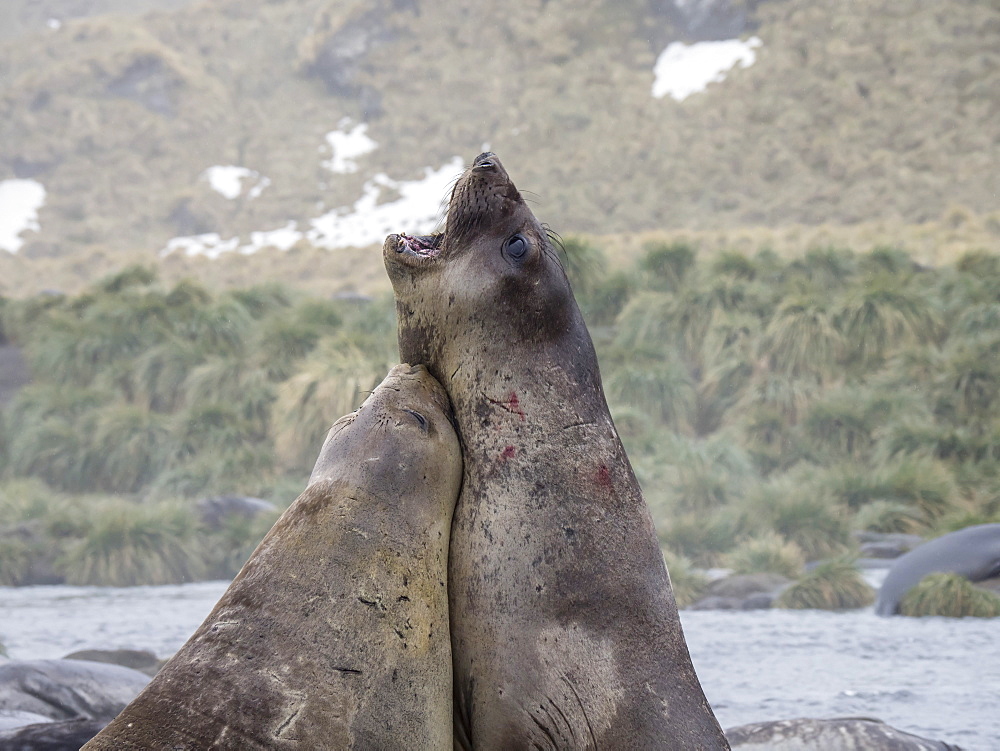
(833, 585)
(120, 123)
(949, 595)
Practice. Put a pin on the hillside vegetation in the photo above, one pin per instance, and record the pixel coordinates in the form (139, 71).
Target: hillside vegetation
(881, 117)
(770, 407)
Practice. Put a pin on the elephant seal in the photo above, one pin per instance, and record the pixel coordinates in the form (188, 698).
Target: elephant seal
(838, 734)
(67, 689)
(973, 552)
(564, 629)
(67, 735)
(334, 634)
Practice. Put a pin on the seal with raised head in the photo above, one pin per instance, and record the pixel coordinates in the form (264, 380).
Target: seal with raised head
(565, 633)
(334, 634)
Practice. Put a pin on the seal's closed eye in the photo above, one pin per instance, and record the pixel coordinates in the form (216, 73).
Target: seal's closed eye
(421, 420)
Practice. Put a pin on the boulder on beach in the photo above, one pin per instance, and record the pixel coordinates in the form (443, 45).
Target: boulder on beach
(886, 545)
(743, 592)
(138, 659)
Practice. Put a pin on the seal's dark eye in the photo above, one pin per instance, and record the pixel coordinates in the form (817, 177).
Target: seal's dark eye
(516, 247)
(421, 420)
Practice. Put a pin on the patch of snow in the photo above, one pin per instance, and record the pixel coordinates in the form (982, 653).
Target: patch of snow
(20, 201)
(54, 23)
(228, 181)
(346, 145)
(259, 188)
(417, 210)
(283, 239)
(210, 244)
(685, 69)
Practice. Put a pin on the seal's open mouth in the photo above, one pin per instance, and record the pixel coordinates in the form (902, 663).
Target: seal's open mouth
(426, 246)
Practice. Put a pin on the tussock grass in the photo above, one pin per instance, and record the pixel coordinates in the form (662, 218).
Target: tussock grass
(801, 514)
(949, 595)
(15, 562)
(832, 585)
(891, 516)
(127, 544)
(768, 552)
(332, 382)
(701, 537)
(746, 437)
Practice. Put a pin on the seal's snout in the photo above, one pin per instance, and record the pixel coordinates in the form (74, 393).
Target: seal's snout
(412, 249)
(485, 161)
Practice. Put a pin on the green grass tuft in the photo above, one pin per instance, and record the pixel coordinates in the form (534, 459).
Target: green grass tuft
(832, 585)
(768, 552)
(126, 544)
(949, 595)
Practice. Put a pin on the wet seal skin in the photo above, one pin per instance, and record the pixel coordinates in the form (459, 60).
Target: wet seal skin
(335, 633)
(564, 629)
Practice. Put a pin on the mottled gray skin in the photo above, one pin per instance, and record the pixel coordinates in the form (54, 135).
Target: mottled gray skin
(565, 634)
(334, 635)
(973, 552)
(840, 734)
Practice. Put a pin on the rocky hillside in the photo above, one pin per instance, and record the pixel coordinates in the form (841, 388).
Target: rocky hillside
(120, 110)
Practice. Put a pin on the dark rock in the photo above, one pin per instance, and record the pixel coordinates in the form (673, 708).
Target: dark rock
(137, 659)
(886, 544)
(744, 585)
(760, 601)
(68, 735)
(742, 592)
(713, 602)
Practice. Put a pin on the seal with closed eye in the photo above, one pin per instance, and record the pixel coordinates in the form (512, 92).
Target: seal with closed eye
(334, 635)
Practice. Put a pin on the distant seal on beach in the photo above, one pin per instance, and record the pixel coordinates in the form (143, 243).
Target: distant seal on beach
(334, 634)
(839, 734)
(67, 689)
(67, 735)
(565, 633)
(973, 552)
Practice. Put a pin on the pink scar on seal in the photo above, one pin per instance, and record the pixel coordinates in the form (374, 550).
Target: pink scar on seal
(508, 453)
(512, 404)
(604, 477)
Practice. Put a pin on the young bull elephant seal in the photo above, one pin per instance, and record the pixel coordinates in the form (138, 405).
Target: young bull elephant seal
(335, 633)
(565, 634)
